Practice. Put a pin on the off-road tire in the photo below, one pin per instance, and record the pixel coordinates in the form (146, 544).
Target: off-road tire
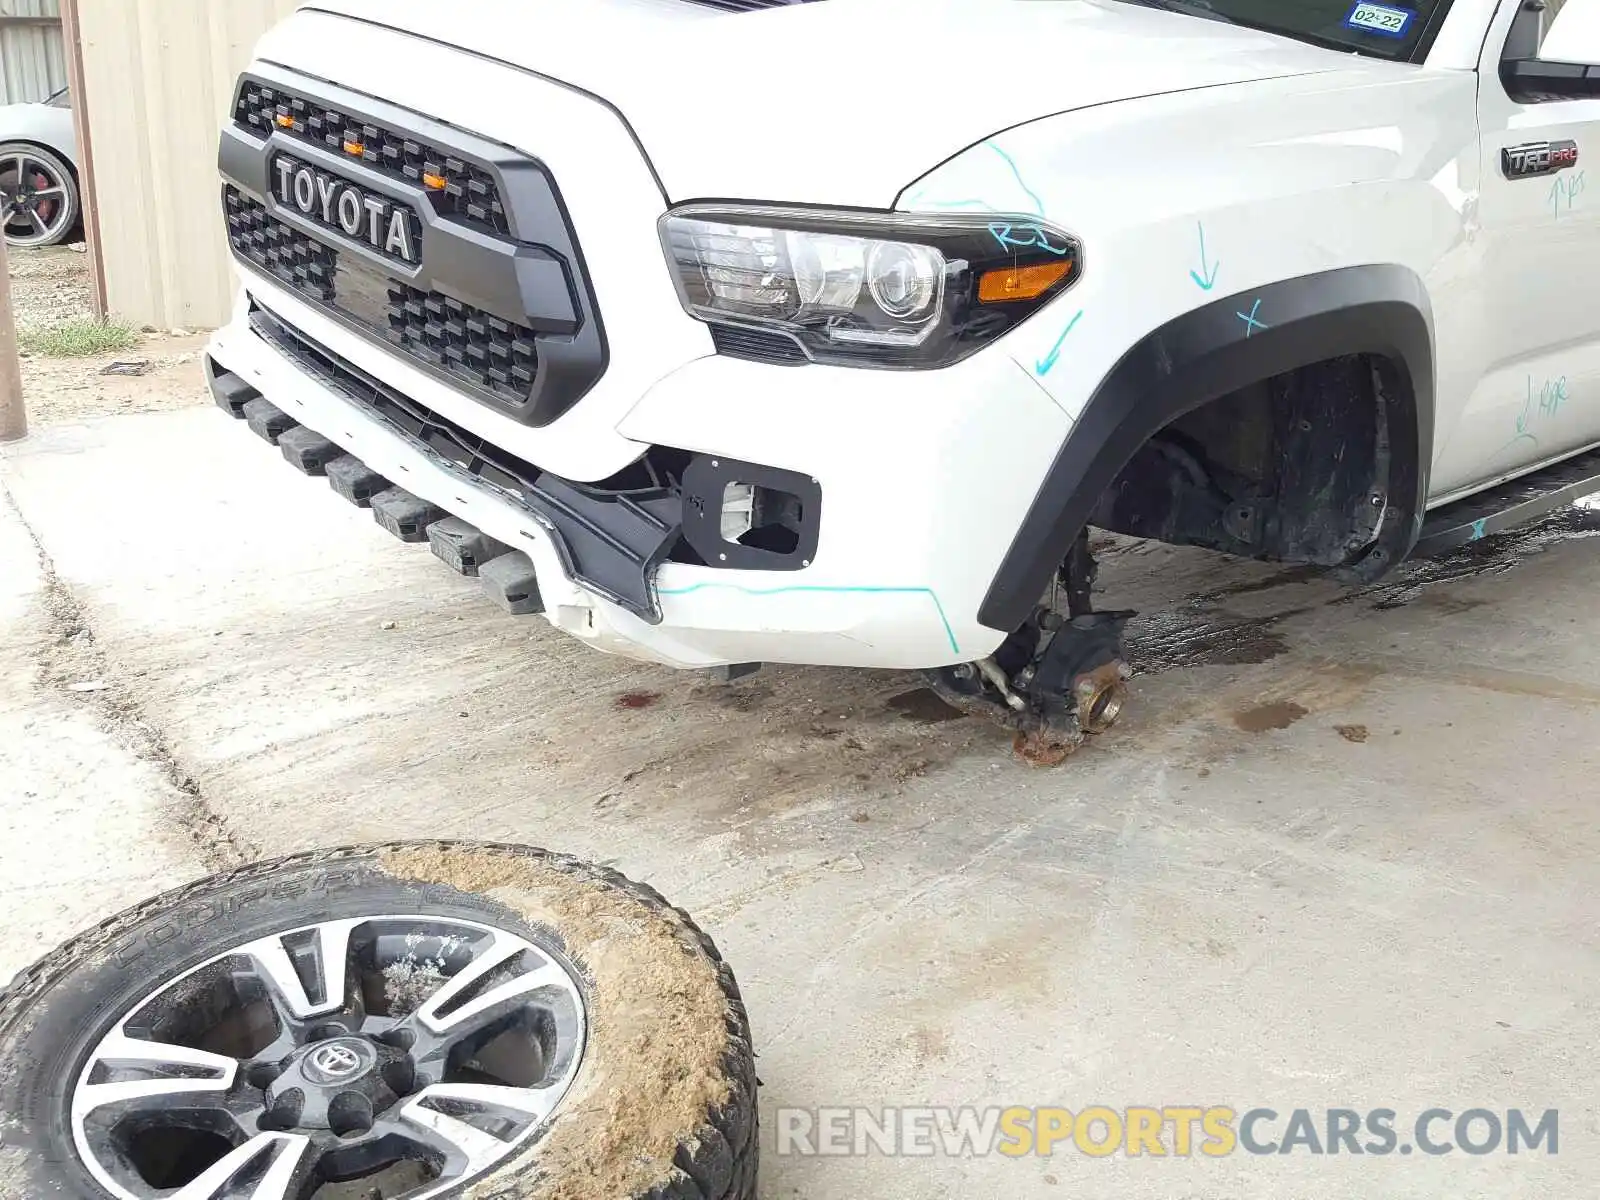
(54, 1013)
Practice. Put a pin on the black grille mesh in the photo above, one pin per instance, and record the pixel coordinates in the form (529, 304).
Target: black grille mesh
(492, 354)
(470, 194)
(495, 356)
(305, 265)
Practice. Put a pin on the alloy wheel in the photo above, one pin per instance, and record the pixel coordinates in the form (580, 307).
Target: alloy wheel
(35, 204)
(410, 1054)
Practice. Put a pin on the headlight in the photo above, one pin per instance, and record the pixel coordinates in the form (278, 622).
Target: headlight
(865, 289)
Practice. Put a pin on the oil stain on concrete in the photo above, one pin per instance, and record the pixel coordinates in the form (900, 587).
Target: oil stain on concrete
(1278, 714)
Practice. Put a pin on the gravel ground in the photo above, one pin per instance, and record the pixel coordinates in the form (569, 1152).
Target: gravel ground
(51, 286)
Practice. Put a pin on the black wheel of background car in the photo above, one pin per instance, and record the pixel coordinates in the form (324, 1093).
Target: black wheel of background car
(420, 1021)
(38, 195)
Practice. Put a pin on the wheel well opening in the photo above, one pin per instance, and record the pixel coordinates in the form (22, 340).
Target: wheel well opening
(1293, 468)
(30, 144)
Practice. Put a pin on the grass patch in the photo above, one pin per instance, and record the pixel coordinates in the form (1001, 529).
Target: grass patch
(81, 337)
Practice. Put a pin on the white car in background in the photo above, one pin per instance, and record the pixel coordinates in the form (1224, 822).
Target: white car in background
(39, 195)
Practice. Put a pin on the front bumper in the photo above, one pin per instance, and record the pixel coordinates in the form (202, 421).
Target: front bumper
(925, 476)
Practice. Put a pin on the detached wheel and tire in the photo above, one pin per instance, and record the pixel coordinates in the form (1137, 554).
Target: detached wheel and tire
(38, 196)
(409, 1022)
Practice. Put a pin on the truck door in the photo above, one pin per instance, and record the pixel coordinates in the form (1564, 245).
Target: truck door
(1540, 236)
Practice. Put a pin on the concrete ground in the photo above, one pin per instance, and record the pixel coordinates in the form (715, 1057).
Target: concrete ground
(1343, 850)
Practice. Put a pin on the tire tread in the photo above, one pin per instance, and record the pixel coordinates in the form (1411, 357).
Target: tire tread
(730, 1133)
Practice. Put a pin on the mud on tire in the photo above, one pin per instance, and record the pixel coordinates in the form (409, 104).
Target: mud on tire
(660, 1098)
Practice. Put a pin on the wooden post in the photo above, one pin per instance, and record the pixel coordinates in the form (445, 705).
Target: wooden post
(72, 35)
(13, 416)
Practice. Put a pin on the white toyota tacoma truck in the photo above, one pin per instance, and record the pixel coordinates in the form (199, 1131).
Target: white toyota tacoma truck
(729, 332)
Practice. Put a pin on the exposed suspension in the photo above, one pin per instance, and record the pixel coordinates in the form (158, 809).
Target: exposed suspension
(1057, 679)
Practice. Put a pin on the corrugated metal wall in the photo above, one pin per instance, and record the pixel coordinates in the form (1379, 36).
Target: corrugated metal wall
(158, 78)
(33, 61)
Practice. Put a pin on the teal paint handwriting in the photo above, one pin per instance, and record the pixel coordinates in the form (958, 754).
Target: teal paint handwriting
(1048, 362)
(916, 198)
(1537, 407)
(1024, 237)
(1546, 403)
(1565, 189)
(1206, 278)
(1038, 204)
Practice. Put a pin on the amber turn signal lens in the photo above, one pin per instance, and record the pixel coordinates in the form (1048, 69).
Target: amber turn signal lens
(437, 182)
(355, 148)
(1021, 283)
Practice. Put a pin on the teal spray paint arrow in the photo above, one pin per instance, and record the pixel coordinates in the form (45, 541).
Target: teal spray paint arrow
(1044, 365)
(1209, 280)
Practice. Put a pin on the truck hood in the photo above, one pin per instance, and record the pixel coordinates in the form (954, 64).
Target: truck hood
(843, 102)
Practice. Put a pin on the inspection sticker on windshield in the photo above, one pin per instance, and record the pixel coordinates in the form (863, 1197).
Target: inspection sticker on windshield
(1380, 18)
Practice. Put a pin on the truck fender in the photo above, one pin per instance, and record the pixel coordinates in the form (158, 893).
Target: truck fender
(1208, 352)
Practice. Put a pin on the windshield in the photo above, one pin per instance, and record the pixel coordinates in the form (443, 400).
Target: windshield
(1397, 30)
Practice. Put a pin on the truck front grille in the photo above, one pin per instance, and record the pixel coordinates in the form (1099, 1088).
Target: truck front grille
(482, 350)
(305, 265)
(491, 294)
(469, 194)
(492, 356)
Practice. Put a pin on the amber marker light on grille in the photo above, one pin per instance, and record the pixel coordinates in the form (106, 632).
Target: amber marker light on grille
(285, 121)
(1021, 283)
(355, 148)
(437, 182)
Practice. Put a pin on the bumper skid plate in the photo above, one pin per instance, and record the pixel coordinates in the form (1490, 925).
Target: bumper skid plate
(404, 515)
(355, 481)
(231, 392)
(611, 542)
(512, 583)
(462, 547)
(508, 577)
(267, 420)
(307, 450)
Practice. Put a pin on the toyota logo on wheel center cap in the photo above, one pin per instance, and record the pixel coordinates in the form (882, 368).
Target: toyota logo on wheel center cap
(336, 1062)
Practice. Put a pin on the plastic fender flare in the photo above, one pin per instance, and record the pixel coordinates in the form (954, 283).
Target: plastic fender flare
(1206, 353)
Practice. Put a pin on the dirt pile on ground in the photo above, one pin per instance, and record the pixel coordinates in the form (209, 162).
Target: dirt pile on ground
(658, 1022)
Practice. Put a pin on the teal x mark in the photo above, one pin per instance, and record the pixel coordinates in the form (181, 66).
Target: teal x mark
(1250, 322)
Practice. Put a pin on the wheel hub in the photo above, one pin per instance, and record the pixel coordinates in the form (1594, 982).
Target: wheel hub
(337, 1063)
(340, 1084)
(1056, 681)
